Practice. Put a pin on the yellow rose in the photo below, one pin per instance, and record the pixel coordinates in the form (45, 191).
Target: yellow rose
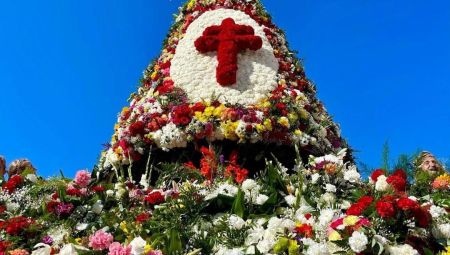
(284, 121)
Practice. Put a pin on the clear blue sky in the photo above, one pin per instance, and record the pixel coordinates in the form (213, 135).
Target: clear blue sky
(382, 69)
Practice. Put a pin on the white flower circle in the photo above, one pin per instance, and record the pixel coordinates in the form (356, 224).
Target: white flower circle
(195, 72)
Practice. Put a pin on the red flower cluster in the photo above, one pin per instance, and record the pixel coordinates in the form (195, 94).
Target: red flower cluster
(137, 128)
(233, 169)
(142, 217)
(16, 225)
(13, 183)
(228, 40)
(166, 87)
(388, 207)
(304, 230)
(361, 205)
(398, 180)
(181, 115)
(208, 163)
(154, 198)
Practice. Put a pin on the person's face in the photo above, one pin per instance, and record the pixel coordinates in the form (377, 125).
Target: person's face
(429, 164)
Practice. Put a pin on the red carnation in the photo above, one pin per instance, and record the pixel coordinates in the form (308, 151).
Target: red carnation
(143, 217)
(16, 225)
(98, 188)
(198, 107)
(155, 198)
(137, 128)
(407, 204)
(377, 173)
(12, 184)
(181, 115)
(356, 209)
(401, 173)
(166, 87)
(385, 209)
(397, 182)
(366, 200)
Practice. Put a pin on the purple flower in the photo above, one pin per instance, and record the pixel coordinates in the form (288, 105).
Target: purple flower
(64, 209)
(47, 240)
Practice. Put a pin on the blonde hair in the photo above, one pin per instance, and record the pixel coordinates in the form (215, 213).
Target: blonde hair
(422, 156)
(18, 166)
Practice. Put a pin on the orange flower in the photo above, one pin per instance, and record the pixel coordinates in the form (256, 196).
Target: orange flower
(441, 182)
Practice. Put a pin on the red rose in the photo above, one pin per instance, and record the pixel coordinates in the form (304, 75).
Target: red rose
(16, 225)
(155, 198)
(407, 204)
(181, 115)
(397, 182)
(377, 173)
(385, 209)
(98, 189)
(166, 87)
(198, 107)
(137, 128)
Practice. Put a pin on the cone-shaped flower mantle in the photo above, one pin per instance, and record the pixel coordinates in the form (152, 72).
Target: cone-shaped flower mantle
(226, 78)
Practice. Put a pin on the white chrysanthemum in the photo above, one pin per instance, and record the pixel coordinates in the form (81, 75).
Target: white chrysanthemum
(254, 235)
(265, 245)
(317, 249)
(249, 184)
(358, 241)
(58, 234)
(195, 73)
(170, 137)
(444, 229)
(404, 249)
(227, 251)
(290, 200)
(236, 222)
(381, 184)
(328, 198)
(437, 211)
(325, 217)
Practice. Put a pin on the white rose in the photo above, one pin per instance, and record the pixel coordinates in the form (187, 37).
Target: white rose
(261, 199)
(352, 176)
(404, 249)
(97, 207)
(236, 222)
(290, 199)
(358, 242)
(381, 184)
(138, 246)
(330, 188)
(328, 198)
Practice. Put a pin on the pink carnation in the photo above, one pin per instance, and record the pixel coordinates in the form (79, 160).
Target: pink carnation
(100, 240)
(82, 178)
(117, 249)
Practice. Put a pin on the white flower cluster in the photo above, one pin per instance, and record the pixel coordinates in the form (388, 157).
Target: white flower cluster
(170, 137)
(252, 192)
(195, 73)
(265, 238)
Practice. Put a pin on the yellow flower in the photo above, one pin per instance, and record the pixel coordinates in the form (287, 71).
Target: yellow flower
(334, 236)
(229, 128)
(283, 121)
(260, 128)
(123, 226)
(293, 117)
(208, 111)
(147, 248)
(191, 4)
(201, 117)
(298, 132)
(304, 114)
(154, 75)
(268, 124)
(218, 111)
(351, 220)
(78, 241)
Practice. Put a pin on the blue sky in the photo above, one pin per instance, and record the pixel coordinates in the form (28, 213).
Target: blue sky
(67, 67)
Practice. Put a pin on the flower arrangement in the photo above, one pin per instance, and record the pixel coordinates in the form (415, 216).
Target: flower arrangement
(217, 207)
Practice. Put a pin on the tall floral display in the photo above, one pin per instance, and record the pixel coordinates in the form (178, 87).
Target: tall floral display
(226, 150)
(226, 78)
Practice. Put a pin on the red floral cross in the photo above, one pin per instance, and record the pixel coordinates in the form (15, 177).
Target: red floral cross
(228, 40)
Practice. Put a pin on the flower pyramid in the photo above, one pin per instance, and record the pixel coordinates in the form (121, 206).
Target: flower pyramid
(225, 78)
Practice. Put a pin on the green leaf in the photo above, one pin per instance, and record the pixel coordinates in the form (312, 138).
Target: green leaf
(175, 245)
(239, 204)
